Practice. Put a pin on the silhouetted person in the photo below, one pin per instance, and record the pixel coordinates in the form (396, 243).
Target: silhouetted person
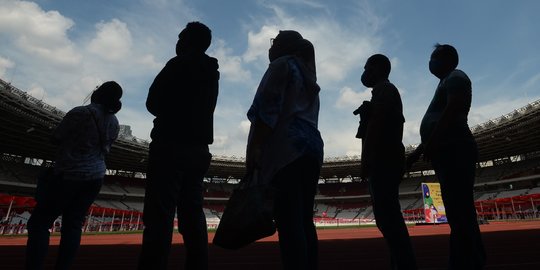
(285, 145)
(182, 98)
(449, 144)
(83, 138)
(383, 159)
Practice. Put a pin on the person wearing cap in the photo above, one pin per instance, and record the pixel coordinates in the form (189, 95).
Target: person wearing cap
(285, 146)
(182, 98)
(83, 138)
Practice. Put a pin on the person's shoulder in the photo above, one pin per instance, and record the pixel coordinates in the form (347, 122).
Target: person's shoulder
(211, 62)
(389, 85)
(457, 74)
(114, 119)
(281, 62)
(457, 78)
(173, 64)
(280, 65)
(385, 88)
(79, 110)
(173, 61)
(77, 113)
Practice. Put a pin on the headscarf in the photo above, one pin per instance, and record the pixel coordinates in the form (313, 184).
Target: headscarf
(290, 42)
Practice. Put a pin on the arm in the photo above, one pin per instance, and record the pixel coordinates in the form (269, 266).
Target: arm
(265, 110)
(260, 133)
(371, 140)
(374, 132)
(156, 93)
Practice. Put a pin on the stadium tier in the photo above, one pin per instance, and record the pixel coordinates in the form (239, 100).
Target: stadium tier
(508, 170)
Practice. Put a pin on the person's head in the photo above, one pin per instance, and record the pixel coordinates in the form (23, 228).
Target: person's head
(376, 70)
(290, 42)
(444, 60)
(194, 38)
(108, 94)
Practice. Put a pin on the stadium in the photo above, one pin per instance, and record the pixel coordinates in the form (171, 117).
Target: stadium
(507, 193)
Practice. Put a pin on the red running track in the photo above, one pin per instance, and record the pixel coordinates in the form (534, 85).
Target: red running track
(509, 245)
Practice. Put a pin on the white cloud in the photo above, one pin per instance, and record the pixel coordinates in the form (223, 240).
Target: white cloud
(483, 113)
(37, 92)
(348, 98)
(149, 61)
(139, 120)
(339, 49)
(244, 127)
(220, 141)
(5, 64)
(230, 66)
(52, 56)
(231, 142)
(411, 132)
(341, 141)
(40, 33)
(259, 43)
(112, 41)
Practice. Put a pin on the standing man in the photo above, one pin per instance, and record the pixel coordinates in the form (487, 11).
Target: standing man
(182, 98)
(449, 144)
(383, 157)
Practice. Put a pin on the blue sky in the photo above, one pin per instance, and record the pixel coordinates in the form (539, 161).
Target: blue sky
(59, 50)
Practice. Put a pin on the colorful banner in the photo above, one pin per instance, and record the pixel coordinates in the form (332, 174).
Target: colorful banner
(433, 204)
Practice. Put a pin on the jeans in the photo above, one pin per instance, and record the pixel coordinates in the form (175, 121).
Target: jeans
(68, 198)
(455, 167)
(384, 189)
(174, 185)
(296, 185)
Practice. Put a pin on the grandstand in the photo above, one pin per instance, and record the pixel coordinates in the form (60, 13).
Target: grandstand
(507, 185)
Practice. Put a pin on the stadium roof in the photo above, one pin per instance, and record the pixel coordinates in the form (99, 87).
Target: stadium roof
(26, 124)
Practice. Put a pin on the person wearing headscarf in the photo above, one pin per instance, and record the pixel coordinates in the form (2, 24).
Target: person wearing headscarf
(285, 146)
(83, 138)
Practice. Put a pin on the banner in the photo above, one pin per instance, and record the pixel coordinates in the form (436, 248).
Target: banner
(433, 204)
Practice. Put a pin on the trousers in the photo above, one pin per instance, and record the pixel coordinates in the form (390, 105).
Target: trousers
(384, 190)
(296, 186)
(69, 198)
(455, 166)
(174, 186)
